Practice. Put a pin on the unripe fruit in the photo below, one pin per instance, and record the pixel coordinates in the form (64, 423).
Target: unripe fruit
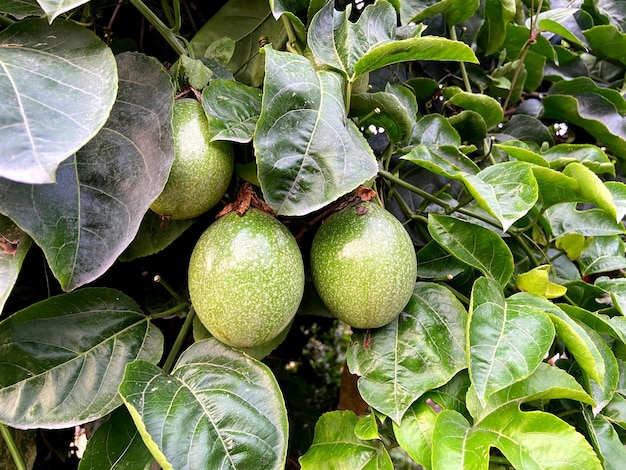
(246, 278)
(363, 265)
(201, 170)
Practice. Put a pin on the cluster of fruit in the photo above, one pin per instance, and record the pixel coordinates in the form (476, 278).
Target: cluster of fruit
(246, 273)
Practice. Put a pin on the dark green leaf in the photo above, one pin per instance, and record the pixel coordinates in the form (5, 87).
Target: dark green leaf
(116, 445)
(64, 357)
(454, 11)
(218, 409)
(383, 109)
(607, 42)
(433, 262)
(443, 160)
(492, 33)
(245, 22)
(307, 152)
(86, 220)
(508, 339)
(336, 446)
(155, 234)
(232, 109)
(14, 245)
(421, 350)
(486, 106)
(59, 84)
(20, 9)
(474, 245)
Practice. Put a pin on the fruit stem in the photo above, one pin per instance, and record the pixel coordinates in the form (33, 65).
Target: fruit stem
(14, 451)
(158, 279)
(172, 39)
(178, 343)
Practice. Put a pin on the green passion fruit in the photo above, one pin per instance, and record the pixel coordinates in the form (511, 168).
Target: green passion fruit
(363, 265)
(246, 278)
(201, 170)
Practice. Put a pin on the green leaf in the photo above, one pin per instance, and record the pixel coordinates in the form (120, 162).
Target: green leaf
(21, 9)
(444, 160)
(54, 8)
(87, 218)
(521, 151)
(537, 282)
(607, 42)
(64, 357)
(506, 190)
(385, 110)
(454, 11)
(573, 244)
(474, 245)
(232, 109)
(602, 255)
(547, 24)
(367, 427)
(493, 31)
(116, 445)
(335, 446)
(486, 106)
(197, 74)
(565, 218)
(605, 439)
(546, 383)
(457, 445)
(423, 349)
(616, 287)
(14, 245)
(308, 153)
(245, 22)
(618, 194)
(218, 409)
(452, 395)
(592, 111)
(59, 84)
(508, 339)
(433, 262)
(592, 188)
(155, 234)
(539, 440)
(591, 156)
(415, 432)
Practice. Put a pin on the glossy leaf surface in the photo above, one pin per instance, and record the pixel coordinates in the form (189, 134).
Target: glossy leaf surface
(64, 357)
(218, 409)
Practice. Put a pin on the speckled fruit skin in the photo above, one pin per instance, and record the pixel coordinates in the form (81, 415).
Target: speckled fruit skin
(246, 278)
(201, 170)
(364, 266)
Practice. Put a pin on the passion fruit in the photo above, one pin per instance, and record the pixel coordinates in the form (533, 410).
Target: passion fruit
(201, 170)
(246, 278)
(363, 265)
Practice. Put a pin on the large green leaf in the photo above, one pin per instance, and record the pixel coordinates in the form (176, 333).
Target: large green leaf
(592, 188)
(546, 383)
(421, 350)
(527, 439)
(607, 42)
(116, 445)
(58, 84)
(370, 43)
(218, 409)
(493, 31)
(14, 245)
(307, 152)
(474, 245)
(415, 432)
(232, 109)
(565, 218)
(63, 358)
(336, 446)
(602, 255)
(605, 439)
(508, 339)
(20, 9)
(93, 211)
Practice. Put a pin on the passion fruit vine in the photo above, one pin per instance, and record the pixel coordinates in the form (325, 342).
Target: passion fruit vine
(363, 265)
(246, 278)
(201, 170)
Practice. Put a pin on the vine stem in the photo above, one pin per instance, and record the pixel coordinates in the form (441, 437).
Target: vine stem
(178, 343)
(292, 43)
(466, 81)
(12, 446)
(166, 32)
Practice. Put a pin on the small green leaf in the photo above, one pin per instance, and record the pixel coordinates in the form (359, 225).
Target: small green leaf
(573, 244)
(591, 187)
(591, 156)
(607, 42)
(308, 153)
(603, 255)
(547, 24)
(64, 357)
(537, 282)
(616, 287)
(116, 445)
(218, 409)
(196, 72)
(62, 74)
(508, 339)
(474, 245)
(367, 427)
(421, 350)
(493, 31)
(335, 445)
(522, 152)
(486, 106)
(383, 109)
(454, 11)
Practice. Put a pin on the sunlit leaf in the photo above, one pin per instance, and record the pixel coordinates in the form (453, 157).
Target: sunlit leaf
(537, 282)
(415, 432)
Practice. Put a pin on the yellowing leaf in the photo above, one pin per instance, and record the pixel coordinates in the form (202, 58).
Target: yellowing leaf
(536, 282)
